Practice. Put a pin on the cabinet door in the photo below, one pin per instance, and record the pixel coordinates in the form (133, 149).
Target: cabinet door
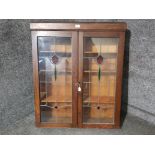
(54, 74)
(100, 76)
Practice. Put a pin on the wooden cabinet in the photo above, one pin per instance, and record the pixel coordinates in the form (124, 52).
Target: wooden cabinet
(77, 70)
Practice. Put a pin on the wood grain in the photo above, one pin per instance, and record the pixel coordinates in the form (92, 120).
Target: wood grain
(118, 26)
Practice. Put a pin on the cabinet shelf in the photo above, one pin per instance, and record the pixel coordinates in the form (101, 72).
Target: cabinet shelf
(55, 106)
(101, 52)
(55, 52)
(51, 53)
(59, 100)
(53, 71)
(103, 72)
(98, 106)
(103, 99)
(95, 54)
(47, 118)
(98, 120)
(85, 82)
(55, 84)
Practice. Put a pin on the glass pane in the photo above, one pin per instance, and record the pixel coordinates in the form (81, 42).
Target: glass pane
(55, 77)
(99, 79)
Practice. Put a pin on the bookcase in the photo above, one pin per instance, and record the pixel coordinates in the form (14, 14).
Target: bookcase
(77, 71)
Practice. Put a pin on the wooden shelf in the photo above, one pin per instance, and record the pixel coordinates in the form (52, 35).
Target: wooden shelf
(98, 120)
(55, 52)
(101, 52)
(60, 113)
(95, 54)
(102, 100)
(56, 105)
(45, 117)
(44, 70)
(98, 106)
(85, 82)
(102, 72)
(55, 84)
(59, 100)
(97, 71)
(58, 72)
(54, 120)
(51, 53)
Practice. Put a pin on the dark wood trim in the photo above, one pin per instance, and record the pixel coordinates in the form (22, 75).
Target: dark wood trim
(49, 125)
(98, 126)
(52, 125)
(35, 76)
(74, 77)
(54, 33)
(117, 26)
(120, 58)
(80, 78)
(109, 34)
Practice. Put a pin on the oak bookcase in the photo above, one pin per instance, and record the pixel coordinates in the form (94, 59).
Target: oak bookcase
(77, 71)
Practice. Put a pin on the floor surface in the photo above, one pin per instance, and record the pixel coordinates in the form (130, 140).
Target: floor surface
(131, 126)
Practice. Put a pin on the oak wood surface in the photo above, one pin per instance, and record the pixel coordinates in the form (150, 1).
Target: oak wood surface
(118, 26)
(119, 78)
(35, 76)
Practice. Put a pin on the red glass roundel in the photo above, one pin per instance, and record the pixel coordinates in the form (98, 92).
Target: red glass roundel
(55, 59)
(99, 59)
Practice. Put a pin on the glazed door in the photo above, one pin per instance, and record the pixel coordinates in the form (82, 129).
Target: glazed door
(100, 65)
(56, 97)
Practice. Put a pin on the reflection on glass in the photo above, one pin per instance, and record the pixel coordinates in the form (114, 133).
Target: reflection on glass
(99, 79)
(55, 75)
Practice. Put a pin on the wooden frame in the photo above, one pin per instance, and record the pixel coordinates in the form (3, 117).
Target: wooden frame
(121, 36)
(35, 34)
(77, 31)
(119, 26)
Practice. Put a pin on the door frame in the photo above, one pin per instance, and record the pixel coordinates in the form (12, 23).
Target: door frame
(74, 37)
(118, 89)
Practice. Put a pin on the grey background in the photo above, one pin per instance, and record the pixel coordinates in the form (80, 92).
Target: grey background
(16, 86)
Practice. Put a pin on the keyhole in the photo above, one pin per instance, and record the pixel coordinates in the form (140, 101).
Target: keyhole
(56, 107)
(98, 107)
